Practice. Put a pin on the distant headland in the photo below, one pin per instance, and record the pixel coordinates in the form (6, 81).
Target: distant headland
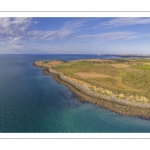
(127, 55)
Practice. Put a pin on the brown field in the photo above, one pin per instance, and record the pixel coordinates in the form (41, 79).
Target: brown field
(54, 63)
(113, 83)
(129, 69)
(98, 74)
(120, 65)
(146, 63)
(106, 81)
(91, 75)
(93, 60)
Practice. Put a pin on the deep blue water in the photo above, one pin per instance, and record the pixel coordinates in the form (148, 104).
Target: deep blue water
(33, 102)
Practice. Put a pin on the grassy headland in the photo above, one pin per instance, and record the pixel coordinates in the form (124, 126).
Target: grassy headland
(121, 85)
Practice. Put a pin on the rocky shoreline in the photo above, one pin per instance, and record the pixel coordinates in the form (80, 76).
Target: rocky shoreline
(113, 105)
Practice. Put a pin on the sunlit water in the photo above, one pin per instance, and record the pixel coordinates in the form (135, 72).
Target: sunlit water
(33, 102)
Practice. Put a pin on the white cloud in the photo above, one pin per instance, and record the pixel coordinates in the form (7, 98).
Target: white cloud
(14, 40)
(48, 35)
(148, 34)
(66, 30)
(75, 24)
(13, 27)
(119, 22)
(11, 45)
(109, 36)
(12, 30)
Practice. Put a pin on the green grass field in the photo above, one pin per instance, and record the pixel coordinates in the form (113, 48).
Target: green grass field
(123, 75)
(128, 76)
(143, 67)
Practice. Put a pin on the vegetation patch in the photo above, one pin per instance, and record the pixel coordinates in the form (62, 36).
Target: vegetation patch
(124, 78)
(119, 85)
(142, 67)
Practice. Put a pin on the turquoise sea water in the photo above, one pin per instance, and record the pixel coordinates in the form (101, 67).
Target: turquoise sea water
(31, 102)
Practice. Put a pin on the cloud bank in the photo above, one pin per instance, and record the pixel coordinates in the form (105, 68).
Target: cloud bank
(110, 36)
(120, 22)
(19, 33)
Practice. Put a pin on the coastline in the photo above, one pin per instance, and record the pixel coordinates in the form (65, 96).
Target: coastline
(115, 106)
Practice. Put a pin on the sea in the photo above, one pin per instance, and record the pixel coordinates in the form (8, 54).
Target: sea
(32, 102)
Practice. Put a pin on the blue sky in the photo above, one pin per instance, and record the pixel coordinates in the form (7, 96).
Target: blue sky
(75, 35)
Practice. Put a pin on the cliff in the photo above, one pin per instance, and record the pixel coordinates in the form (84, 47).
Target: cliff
(102, 97)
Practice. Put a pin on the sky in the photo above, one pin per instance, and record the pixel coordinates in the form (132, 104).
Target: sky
(75, 35)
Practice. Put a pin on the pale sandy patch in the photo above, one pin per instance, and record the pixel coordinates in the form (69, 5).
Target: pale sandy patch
(146, 63)
(54, 63)
(120, 65)
(93, 60)
(132, 70)
(91, 75)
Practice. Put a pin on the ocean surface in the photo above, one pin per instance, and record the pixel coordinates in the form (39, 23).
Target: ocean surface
(31, 102)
